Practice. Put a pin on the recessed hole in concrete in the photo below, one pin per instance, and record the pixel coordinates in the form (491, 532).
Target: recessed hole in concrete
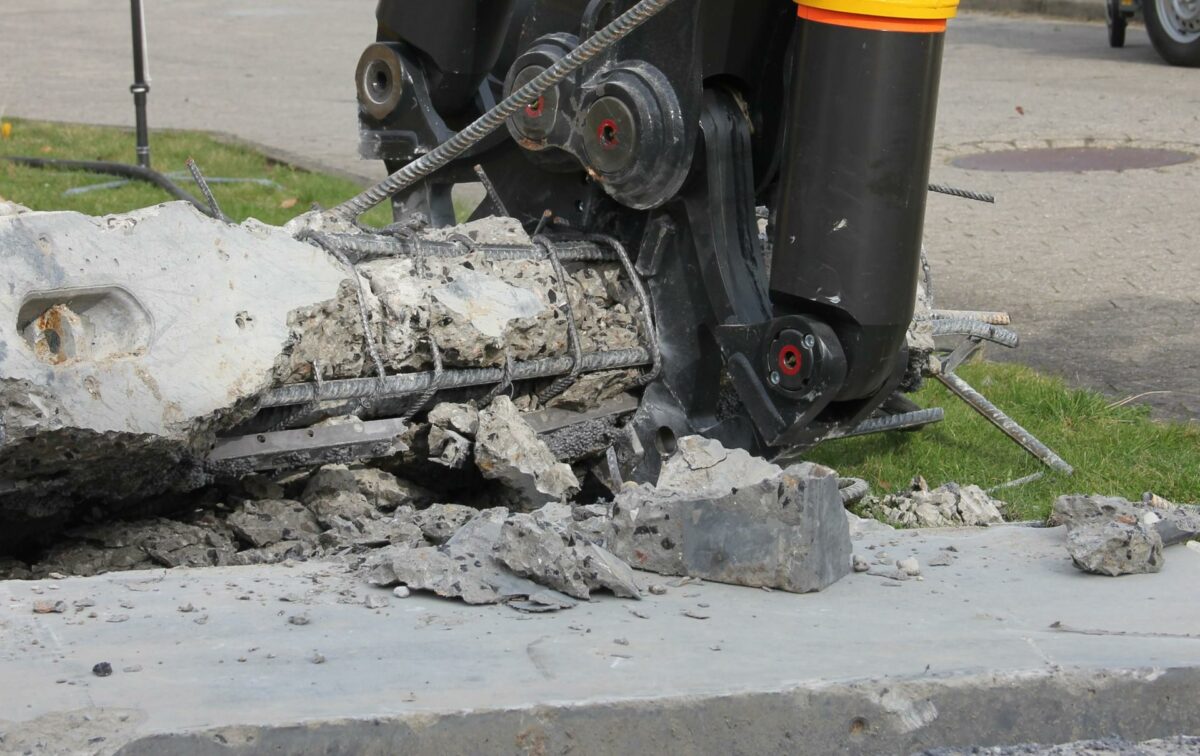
(84, 324)
(1072, 159)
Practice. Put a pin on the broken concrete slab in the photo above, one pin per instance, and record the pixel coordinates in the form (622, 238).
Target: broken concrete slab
(386, 492)
(118, 364)
(947, 506)
(464, 567)
(541, 546)
(1115, 547)
(508, 450)
(735, 520)
(1174, 523)
(858, 668)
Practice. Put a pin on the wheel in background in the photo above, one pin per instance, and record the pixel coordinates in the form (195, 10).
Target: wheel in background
(1174, 29)
(1116, 23)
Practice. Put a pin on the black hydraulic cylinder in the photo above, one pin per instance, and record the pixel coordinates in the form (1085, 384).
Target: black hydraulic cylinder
(851, 203)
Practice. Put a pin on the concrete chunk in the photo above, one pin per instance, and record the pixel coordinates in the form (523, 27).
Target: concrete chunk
(263, 523)
(128, 341)
(541, 547)
(739, 522)
(1115, 547)
(508, 450)
(1174, 523)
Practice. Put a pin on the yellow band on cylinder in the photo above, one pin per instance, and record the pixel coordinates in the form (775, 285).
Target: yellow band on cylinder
(909, 9)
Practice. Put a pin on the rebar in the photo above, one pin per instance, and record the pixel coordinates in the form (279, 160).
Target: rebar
(853, 490)
(456, 145)
(643, 296)
(360, 247)
(205, 190)
(405, 384)
(983, 316)
(901, 421)
(565, 382)
(963, 193)
(1006, 424)
(976, 329)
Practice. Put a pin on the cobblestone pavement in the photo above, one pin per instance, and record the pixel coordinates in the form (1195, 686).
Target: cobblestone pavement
(1100, 270)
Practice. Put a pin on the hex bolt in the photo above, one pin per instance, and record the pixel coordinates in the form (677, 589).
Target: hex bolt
(809, 341)
(775, 378)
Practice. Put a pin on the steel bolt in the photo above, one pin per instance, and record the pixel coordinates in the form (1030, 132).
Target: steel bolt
(775, 378)
(809, 341)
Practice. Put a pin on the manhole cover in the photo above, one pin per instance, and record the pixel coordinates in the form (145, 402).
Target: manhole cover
(1073, 159)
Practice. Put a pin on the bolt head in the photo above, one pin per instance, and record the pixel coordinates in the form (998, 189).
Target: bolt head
(809, 341)
(775, 378)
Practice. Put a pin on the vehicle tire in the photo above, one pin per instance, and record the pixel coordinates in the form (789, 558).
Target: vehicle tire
(1116, 23)
(1174, 29)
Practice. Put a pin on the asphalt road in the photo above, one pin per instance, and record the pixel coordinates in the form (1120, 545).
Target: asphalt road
(1100, 270)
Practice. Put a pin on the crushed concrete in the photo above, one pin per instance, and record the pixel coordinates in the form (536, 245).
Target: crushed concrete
(509, 450)
(723, 515)
(1109, 535)
(479, 312)
(441, 521)
(947, 506)
(265, 523)
(541, 546)
(93, 308)
(464, 568)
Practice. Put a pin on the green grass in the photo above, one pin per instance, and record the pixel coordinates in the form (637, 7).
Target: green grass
(1116, 451)
(42, 189)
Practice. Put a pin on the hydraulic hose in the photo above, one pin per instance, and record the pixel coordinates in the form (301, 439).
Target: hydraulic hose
(135, 172)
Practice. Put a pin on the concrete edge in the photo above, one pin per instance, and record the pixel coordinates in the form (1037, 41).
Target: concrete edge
(1078, 10)
(1043, 706)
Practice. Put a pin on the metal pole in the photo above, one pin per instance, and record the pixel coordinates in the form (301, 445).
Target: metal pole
(141, 84)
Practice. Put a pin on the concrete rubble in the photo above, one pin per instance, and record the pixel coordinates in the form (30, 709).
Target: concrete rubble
(726, 516)
(947, 506)
(121, 368)
(1108, 535)
(508, 450)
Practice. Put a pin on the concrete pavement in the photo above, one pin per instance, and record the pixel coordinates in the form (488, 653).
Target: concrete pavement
(1008, 644)
(1101, 270)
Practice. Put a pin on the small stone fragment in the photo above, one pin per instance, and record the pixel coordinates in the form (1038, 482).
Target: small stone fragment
(942, 559)
(909, 566)
(375, 602)
(298, 619)
(658, 589)
(49, 607)
(317, 658)
(401, 591)
(103, 669)
(861, 564)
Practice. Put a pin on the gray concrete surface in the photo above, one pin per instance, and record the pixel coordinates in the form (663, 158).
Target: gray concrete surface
(1099, 269)
(1008, 644)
